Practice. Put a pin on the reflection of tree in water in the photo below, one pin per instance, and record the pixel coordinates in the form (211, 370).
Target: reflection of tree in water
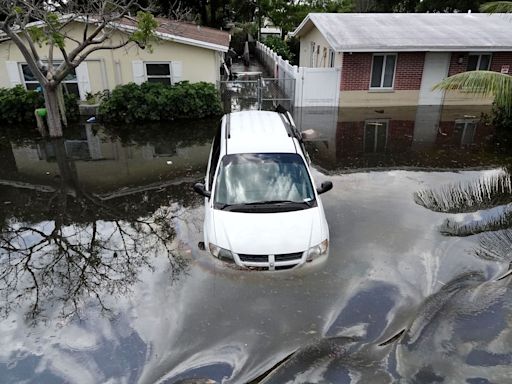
(71, 246)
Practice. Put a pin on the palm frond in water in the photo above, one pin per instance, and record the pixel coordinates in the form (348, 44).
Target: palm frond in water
(501, 221)
(495, 246)
(497, 7)
(472, 196)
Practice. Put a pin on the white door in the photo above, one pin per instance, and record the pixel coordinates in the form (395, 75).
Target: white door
(435, 69)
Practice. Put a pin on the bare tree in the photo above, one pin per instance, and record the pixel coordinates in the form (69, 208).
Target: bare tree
(32, 24)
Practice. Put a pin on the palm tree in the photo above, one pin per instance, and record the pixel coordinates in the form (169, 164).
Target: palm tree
(486, 83)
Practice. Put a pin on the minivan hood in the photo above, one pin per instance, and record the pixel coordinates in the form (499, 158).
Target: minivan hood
(268, 233)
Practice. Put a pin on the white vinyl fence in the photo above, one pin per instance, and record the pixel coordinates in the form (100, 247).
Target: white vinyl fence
(313, 87)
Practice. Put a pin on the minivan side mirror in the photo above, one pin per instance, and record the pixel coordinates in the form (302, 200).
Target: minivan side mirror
(199, 188)
(326, 186)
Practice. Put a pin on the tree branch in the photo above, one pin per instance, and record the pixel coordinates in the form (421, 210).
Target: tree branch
(33, 65)
(32, 46)
(93, 49)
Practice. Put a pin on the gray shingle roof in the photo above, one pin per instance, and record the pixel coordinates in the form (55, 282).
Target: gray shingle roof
(380, 32)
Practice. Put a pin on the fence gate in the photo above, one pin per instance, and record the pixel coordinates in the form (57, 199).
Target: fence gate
(261, 93)
(319, 87)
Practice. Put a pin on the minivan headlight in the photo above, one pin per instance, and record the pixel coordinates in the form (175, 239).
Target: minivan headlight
(318, 250)
(221, 253)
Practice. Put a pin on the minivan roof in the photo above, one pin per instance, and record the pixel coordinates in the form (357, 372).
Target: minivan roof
(258, 132)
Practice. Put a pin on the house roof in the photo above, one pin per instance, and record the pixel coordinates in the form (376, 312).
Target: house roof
(186, 33)
(385, 32)
(178, 31)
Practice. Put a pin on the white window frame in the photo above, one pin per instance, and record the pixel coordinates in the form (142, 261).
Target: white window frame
(381, 87)
(332, 58)
(375, 122)
(22, 77)
(480, 54)
(169, 63)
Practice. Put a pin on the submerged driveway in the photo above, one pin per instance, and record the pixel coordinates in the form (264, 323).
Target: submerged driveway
(396, 299)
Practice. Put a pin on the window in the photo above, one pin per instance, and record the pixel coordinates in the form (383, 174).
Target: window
(31, 83)
(331, 58)
(383, 71)
(158, 73)
(479, 62)
(375, 136)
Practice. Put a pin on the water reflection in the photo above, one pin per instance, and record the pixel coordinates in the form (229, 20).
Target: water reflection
(106, 217)
(66, 238)
(422, 136)
(442, 329)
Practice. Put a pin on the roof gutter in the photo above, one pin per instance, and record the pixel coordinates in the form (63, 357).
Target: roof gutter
(424, 49)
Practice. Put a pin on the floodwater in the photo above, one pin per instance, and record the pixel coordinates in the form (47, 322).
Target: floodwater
(102, 281)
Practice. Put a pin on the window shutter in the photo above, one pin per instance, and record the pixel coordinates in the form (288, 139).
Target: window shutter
(13, 72)
(82, 76)
(176, 75)
(138, 71)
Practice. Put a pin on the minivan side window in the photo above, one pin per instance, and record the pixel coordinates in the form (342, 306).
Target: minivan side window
(215, 157)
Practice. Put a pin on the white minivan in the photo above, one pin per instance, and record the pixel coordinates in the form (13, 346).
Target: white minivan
(262, 210)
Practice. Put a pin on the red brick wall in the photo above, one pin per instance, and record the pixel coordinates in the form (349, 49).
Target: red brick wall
(501, 58)
(357, 69)
(455, 67)
(497, 60)
(409, 70)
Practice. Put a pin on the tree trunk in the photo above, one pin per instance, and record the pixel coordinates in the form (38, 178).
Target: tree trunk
(51, 102)
(203, 12)
(213, 13)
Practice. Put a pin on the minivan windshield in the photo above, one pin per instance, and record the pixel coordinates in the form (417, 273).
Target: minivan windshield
(252, 179)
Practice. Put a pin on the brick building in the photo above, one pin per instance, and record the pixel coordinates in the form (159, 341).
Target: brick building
(395, 59)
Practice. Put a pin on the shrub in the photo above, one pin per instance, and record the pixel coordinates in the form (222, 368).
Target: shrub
(279, 46)
(17, 105)
(71, 105)
(160, 102)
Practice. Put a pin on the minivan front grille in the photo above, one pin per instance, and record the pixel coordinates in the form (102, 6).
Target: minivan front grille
(253, 258)
(288, 256)
(265, 258)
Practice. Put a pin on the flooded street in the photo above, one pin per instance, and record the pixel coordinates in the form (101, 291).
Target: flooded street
(102, 280)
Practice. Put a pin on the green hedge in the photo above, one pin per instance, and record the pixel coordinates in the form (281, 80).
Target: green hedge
(17, 105)
(160, 102)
